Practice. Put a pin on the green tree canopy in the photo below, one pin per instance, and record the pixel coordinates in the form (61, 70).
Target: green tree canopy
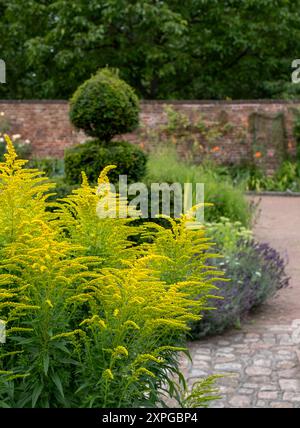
(163, 48)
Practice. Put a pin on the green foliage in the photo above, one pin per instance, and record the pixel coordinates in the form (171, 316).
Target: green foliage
(89, 321)
(227, 235)
(166, 50)
(180, 124)
(51, 167)
(203, 392)
(228, 200)
(177, 121)
(184, 252)
(286, 179)
(104, 106)
(92, 156)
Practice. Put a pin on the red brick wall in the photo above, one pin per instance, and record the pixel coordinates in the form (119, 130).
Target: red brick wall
(46, 125)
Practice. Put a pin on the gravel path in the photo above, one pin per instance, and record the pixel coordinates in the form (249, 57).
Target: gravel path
(262, 360)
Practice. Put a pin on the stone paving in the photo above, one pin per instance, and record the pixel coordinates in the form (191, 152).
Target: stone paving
(261, 362)
(261, 368)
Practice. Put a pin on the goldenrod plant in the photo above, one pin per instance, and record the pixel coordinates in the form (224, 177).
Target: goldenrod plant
(97, 218)
(92, 320)
(38, 273)
(203, 392)
(185, 256)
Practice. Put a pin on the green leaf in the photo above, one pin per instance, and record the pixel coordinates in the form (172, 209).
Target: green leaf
(58, 384)
(46, 363)
(36, 394)
(4, 405)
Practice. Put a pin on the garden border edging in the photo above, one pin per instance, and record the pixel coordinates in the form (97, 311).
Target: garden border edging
(269, 193)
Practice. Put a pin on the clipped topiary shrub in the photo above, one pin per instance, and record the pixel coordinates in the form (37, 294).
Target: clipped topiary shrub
(93, 156)
(104, 106)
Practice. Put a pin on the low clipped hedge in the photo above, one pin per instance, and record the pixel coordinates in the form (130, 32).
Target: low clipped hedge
(92, 156)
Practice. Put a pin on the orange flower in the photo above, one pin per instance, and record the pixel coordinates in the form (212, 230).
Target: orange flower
(142, 145)
(215, 149)
(258, 155)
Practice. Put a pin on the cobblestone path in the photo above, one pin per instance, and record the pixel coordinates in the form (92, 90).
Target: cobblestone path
(261, 362)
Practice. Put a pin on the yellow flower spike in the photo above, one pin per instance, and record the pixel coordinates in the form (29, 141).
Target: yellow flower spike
(103, 175)
(11, 152)
(102, 324)
(132, 324)
(108, 374)
(49, 303)
(138, 300)
(147, 357)
(5, 372)
(70, 334)
(119, 352)
(95, 320)
(85, 181)
(144, 371)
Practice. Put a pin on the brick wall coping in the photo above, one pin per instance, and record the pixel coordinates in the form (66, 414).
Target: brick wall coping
(178, 102)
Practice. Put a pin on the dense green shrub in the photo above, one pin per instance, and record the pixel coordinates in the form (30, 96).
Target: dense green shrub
(255, 272)
(104, 106)
(93, 156)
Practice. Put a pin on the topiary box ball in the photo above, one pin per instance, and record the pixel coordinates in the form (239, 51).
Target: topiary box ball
(105, 106)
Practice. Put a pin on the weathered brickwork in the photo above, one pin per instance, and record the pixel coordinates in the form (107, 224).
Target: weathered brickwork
(46, 124)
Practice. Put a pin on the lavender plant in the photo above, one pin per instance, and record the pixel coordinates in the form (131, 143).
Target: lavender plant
(256, 272)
